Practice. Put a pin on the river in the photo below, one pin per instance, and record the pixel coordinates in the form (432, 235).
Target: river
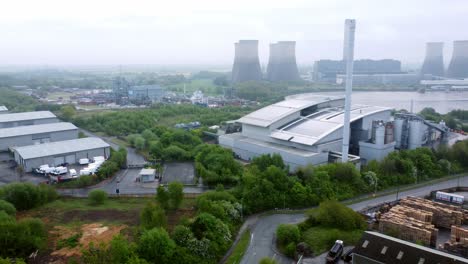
(442, 102)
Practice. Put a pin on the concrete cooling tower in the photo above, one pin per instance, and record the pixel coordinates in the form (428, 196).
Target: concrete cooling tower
(458, 67)
(282, 62)
(434, 61)
(246, 63)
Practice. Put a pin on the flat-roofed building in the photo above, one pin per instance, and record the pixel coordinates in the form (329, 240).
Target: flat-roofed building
(27, 119)
(376, 248)
(36, 134)
(306, 129)
(55, 153)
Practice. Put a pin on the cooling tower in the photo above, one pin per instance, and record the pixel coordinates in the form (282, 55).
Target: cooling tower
(434, 61)
(282, 62)
(246, 63)
(458, 67)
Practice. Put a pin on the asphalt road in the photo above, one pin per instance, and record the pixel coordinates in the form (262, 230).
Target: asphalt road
(264, 228)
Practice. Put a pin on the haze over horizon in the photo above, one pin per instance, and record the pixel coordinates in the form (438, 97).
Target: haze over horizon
(203, 32)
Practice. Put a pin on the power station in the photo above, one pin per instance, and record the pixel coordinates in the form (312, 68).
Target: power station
(282, 64)
(246, 62)
(434, 61)
(458, 67)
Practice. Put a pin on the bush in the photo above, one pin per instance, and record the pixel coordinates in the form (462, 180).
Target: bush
(290, 250)
(333, 214)
(26, 195)
(267, 260)
(176, 194)
(19, 239)
(7, 207)
(156, 246)
(153, 216)
(97, 196)
(287, 234)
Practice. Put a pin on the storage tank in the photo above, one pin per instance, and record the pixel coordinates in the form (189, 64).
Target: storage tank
(398, 128)
(378, 132)
(415, 134)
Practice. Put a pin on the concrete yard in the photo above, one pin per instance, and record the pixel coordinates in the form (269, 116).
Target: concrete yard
(183, 172)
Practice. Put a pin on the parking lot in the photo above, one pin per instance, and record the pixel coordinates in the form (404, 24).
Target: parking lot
(183, 172)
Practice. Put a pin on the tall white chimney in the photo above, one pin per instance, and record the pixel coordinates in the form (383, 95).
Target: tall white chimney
(348, 56)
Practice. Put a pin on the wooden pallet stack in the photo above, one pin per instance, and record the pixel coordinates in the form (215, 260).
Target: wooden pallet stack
(444, 215)
(458, 242)
(409, 224)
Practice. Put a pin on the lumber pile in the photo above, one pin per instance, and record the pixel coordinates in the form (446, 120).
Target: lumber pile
(458, 242)
(443, 215)
(408, 224)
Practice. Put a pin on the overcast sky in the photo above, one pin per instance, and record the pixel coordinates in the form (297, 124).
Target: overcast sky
(203, 31)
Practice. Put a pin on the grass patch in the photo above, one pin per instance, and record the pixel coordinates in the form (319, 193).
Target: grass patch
(69, 242)
(321, 239)
(67, 204)
(240, 248)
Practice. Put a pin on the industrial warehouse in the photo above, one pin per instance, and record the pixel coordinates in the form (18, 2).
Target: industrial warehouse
(36, 134)
(56, 153)
(27, 119)
(307, 129)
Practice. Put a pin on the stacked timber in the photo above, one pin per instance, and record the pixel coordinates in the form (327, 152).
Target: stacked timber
(458, 242)
(444, 215)
(409, 224)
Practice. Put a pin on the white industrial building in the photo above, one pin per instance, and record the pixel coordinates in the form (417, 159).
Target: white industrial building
(27, 119)
(55, 153)
(307, 129)
(36, 134)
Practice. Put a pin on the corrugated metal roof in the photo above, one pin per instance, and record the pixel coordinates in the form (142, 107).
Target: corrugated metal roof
(147, 171)
(3, 108)
(25, 116)
(60, 147)
(36, 129)
(309, 130)
(272, 113)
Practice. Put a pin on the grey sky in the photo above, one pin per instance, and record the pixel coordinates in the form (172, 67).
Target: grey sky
(203, 31)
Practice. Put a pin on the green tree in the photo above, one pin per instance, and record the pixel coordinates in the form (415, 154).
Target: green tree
(67, 112)
(287, 233)
(153, 216)
(176, 194)
(156, 246)
(162, 196)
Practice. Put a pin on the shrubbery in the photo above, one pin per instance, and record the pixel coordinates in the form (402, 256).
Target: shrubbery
(97, 196)
(26, 195)
(7, 207)
(19, 239)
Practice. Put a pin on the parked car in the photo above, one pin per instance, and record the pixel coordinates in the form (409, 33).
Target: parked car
(335, 252)
(65, 164)
(83, 161)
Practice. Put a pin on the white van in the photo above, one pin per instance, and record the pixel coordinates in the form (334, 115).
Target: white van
(60, 170)
(83, 161)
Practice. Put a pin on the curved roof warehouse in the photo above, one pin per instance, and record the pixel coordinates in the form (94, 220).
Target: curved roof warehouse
(307, 129)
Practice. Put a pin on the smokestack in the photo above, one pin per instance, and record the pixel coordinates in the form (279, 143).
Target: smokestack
(434, 61)
(282, 64)
(458, 67)
(348, 56)
(246, 63)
